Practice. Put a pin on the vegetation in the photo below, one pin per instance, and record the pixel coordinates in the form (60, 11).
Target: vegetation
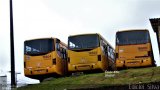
(123, 77)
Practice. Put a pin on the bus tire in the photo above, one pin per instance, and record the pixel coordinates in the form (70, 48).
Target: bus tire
(41, 80)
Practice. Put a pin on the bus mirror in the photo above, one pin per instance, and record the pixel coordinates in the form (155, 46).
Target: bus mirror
(57, 41)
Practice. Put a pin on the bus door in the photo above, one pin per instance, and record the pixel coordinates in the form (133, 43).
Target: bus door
(105, 51)
(65, 62)
(61, 51)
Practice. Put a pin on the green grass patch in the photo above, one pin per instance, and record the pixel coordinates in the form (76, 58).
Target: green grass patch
(124, 77)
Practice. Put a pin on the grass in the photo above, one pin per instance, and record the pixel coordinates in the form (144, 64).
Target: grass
(123, 77)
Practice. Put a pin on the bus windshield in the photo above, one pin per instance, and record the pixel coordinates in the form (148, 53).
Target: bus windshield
(38, 47)
(132, 37)
(83, 41)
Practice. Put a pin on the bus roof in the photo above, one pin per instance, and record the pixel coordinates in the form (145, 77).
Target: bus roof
(41, 38)
(84, 34)
(47, 38)
(129, 30)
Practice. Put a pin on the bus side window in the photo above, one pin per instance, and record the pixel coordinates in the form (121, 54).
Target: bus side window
(57, 46)
(61, 52)
(64, 54)
(108, 50)
(111, 51)
(105, 49)
(112, 54)
(104, 46)
(101, 43)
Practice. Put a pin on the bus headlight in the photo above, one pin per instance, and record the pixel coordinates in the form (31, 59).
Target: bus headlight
(122, 62)
(73, 65)
(29, 67)
(93, 64)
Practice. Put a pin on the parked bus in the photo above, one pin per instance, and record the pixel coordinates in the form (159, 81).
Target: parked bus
(134, 49)
(44, 57)
(89, 52)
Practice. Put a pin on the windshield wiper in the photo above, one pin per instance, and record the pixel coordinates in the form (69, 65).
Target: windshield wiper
(36, 54)
(80, 49)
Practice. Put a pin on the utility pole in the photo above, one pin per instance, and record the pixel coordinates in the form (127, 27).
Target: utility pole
(13, 81)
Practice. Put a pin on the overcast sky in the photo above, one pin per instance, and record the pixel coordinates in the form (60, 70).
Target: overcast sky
(61, 18)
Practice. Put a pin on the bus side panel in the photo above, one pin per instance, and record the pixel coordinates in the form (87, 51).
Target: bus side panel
(59, 64)
(105, 63)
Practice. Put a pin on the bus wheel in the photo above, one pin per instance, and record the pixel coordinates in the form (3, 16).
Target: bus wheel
(117, 69)
(153, 64)
(41, 80)
(120, 68)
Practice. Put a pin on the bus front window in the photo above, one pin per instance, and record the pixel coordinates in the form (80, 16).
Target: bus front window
(83, 41)
(132, 37)
(38, 47)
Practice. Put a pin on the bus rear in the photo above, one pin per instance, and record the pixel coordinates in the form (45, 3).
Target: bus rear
(85, 53)
(41, 59)
(133, 49)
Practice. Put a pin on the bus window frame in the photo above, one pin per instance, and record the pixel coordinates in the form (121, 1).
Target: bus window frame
(149, 39)
(73, 45)
(53, 46)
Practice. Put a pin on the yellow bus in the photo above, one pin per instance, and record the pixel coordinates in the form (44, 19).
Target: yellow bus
(89, 52)
(134, 49)
(44, 57)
